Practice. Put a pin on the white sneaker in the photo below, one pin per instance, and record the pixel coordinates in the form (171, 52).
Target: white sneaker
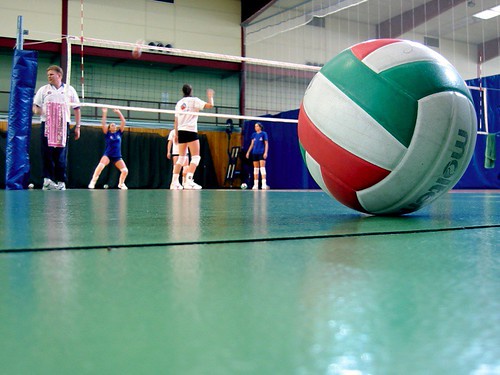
(48, 184)
(176, 186)
(61, 186)
(191, 185)
(265, 187)
(123, 187)
(92, 184)
(255, 187)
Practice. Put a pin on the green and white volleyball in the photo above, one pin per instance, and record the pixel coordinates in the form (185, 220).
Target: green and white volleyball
(387, 126)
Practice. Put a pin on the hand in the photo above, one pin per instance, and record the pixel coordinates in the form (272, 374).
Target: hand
(210, 93)
(116, 110)
(104, 110)
(169, 155)
(77, 132)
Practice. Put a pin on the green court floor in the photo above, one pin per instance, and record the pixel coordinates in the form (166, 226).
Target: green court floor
(246, 282)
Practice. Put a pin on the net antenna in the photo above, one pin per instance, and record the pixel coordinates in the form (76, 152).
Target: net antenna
(483, 127)
(81, 51)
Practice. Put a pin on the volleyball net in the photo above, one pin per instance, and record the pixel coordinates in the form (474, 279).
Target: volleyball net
(147, 87)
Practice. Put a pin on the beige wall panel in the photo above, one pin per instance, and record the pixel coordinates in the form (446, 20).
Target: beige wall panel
(40, 17)
(188, 24)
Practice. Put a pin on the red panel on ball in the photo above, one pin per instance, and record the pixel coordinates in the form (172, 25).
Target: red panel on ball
(341, 191)
(364, 49)
(353, 171)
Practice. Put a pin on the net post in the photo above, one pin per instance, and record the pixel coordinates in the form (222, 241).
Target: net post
(20, 33)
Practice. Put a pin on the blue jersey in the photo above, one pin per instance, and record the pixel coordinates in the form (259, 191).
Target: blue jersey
(259, 140)
(113, 144)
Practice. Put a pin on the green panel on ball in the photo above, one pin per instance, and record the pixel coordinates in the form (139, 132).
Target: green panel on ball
(423, 78)
(392, 108)
(303, 152)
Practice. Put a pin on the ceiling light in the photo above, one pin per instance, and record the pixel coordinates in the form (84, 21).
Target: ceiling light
(486, 14)
(489, 13)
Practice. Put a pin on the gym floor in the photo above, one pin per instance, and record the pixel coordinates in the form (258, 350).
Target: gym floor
(246, 282)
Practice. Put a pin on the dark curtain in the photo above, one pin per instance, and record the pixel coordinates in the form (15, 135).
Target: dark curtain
(144, 154)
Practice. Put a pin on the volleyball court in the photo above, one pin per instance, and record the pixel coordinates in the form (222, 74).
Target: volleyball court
(143, 79)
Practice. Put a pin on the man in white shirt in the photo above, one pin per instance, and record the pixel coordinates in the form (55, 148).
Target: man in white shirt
(52, 103)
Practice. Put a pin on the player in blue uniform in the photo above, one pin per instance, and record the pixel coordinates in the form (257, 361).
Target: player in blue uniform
(259, 147)
(113, 151)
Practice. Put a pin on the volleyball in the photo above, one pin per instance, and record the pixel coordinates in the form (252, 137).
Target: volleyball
(387, 126)
(243, 186)
(137, 51)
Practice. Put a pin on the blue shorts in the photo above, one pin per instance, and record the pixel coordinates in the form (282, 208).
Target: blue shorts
(113, 159)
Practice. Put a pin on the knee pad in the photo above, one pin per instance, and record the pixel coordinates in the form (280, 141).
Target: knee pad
(263, 171)
(196, 160)
(181, 160)
(256, 171)
(124, 170)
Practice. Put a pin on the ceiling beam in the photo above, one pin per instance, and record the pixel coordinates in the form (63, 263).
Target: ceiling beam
(252, 8)
(398, 25)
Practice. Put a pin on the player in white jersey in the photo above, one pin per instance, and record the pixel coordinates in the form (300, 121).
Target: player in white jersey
(52, 103)
(186, 135)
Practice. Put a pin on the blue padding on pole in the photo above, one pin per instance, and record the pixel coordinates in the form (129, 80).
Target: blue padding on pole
(22, 91)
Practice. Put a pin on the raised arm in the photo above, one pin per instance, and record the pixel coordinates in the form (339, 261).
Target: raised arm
(210, 99)
(103, 120)
(122, 119)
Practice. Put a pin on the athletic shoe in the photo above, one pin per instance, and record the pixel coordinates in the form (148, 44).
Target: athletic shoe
(92, 184)
(123, 187)
(255, 187)
(265, 187)
(176, 186)
(61, 186)
(48, 184)
(191, 185)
